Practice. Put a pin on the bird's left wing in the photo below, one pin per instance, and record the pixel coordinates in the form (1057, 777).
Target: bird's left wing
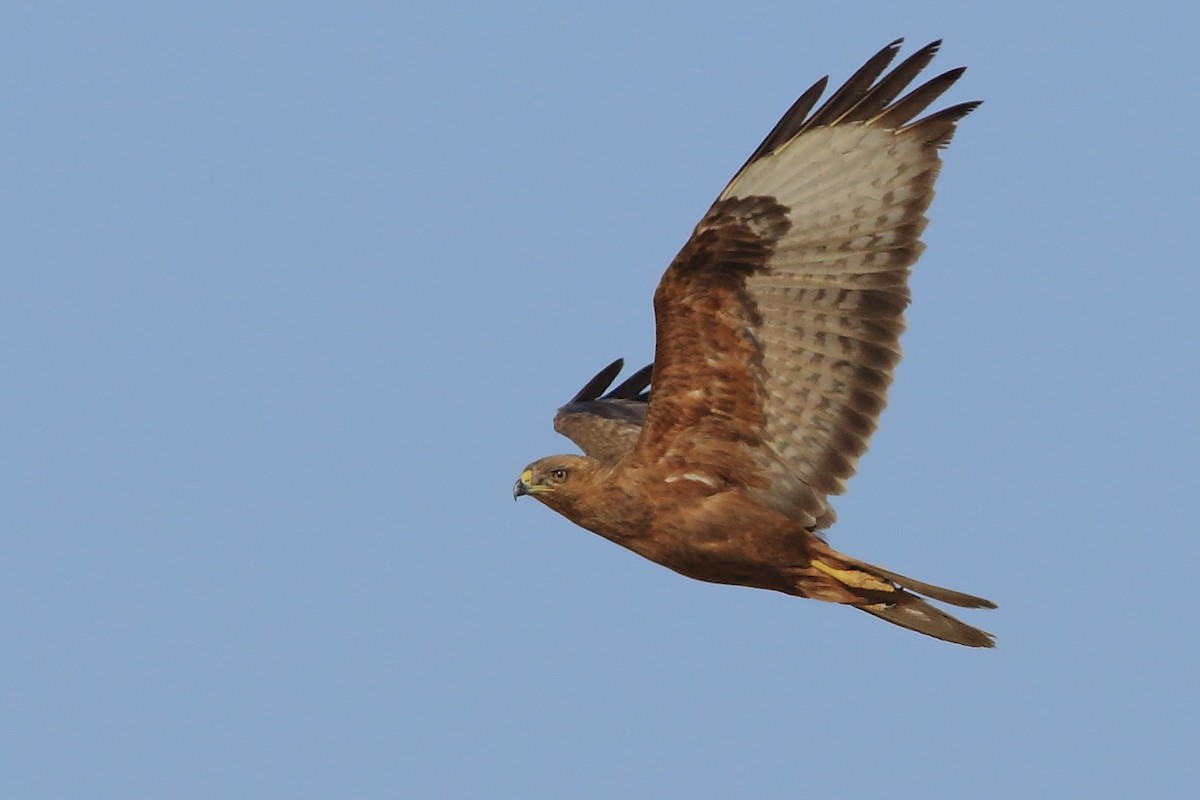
(778, 323)
(605, 426)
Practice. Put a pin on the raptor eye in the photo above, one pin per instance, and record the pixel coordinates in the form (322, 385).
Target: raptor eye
(558, 474)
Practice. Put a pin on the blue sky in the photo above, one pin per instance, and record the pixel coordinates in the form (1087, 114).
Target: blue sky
(292, 290)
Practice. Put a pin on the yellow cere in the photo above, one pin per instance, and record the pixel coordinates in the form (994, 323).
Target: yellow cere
(527, 477)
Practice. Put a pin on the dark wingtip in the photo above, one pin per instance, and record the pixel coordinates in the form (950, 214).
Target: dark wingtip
(633, 387)
(938, 128)
(601, 381)
(855, 88)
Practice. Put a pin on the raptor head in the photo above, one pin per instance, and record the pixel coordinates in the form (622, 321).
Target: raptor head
(557, 481)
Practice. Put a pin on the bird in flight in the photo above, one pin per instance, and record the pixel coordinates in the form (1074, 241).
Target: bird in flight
(777, 334)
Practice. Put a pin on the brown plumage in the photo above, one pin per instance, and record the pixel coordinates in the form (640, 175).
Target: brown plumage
(778, 331)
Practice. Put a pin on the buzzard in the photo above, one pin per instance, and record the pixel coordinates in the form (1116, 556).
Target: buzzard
(777, 333)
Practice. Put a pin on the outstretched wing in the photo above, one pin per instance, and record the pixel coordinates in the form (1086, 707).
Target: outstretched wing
(779, 321)
(606, 427)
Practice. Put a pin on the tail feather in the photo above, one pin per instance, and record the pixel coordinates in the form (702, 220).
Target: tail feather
(910, 611)
(960, 599)
(838, 578)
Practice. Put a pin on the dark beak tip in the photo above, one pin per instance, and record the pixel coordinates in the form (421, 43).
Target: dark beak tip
(518, 489)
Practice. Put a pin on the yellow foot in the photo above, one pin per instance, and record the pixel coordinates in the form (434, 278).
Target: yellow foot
(854, 578)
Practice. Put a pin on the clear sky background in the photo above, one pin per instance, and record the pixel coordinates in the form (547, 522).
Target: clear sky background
(291, 291)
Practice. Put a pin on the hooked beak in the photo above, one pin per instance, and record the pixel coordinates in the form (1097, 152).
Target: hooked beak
(523, 484)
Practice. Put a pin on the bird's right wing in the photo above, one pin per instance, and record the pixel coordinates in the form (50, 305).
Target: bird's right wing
(606, 426)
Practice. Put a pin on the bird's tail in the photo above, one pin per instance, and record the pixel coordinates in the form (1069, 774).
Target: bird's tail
(893, 597)
(912, 612)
